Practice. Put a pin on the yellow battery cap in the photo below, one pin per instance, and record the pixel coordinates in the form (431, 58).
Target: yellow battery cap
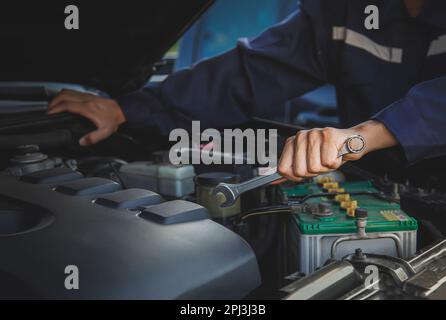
(349, 204)
(342, 197)
(323, 180)
(330, 185)
(351, 212)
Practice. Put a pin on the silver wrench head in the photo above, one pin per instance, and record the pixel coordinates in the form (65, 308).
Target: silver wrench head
(228, 191)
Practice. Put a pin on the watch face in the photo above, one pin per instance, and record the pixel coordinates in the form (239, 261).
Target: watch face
(356, 144)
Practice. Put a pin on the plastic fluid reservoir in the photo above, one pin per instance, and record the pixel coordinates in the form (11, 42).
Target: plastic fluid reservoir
(176, 181)
(143, 174)
(205, 184)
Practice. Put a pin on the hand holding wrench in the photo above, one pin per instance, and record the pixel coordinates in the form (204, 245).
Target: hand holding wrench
(231, 192)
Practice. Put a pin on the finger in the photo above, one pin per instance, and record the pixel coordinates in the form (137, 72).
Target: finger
(285, 167)
(275, 183)
(76, 94)
(57, 109)
(76, 108)
(314, 143)
(95, 137)
(285, 160)
(300, 156)
(329, 152)
(69, 106)
(348, 157)
(67, 95)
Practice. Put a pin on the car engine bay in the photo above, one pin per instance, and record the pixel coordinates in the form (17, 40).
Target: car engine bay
(138, 227)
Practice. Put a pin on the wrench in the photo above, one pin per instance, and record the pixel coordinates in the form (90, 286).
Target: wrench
(232, 192)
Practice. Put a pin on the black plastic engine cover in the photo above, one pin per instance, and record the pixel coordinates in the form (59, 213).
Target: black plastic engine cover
(119, 254)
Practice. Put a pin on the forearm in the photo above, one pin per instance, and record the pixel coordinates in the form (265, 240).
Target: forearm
(214, 92)
(376, 135)
(229, 89)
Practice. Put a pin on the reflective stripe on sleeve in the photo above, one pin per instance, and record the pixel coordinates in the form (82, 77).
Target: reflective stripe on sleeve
(355, 39)
(437, 46)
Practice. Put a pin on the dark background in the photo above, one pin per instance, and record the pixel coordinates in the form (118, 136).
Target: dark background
(114, 50)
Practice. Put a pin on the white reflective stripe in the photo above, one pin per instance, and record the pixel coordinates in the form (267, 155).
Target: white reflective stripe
(339, 33)
(355, 39)
(437, 46)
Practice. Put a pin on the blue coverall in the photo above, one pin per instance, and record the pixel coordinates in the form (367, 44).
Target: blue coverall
(395, 74)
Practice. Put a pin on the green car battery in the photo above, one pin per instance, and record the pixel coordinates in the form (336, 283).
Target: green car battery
(317, 231)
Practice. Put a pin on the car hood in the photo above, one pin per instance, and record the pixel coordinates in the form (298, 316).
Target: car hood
(114, 50)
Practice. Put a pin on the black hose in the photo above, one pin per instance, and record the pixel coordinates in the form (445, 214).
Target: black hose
(118, 175)
(279, 208)
(47, 140)
(300, 200)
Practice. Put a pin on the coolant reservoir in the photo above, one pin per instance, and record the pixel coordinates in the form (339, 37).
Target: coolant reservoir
(142, 174)
(176, 181)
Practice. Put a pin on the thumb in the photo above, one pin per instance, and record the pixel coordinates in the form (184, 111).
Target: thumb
(94, 137)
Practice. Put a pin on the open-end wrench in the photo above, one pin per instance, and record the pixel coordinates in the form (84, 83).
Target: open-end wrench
(231, 192)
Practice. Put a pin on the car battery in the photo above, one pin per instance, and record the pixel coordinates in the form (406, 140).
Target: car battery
(328, 214)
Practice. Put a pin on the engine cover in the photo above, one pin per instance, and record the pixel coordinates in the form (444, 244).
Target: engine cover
(125, 244)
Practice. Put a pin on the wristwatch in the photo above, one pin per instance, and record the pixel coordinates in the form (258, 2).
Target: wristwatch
(354, 144)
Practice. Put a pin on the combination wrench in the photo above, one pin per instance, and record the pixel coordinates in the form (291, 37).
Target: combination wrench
(232, 192)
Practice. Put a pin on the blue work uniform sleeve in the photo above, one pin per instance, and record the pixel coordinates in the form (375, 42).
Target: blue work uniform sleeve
(418, 121)
(253, 79)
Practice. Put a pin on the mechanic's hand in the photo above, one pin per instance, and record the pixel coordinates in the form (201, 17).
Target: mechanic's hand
(105, 113)
(313, 152)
